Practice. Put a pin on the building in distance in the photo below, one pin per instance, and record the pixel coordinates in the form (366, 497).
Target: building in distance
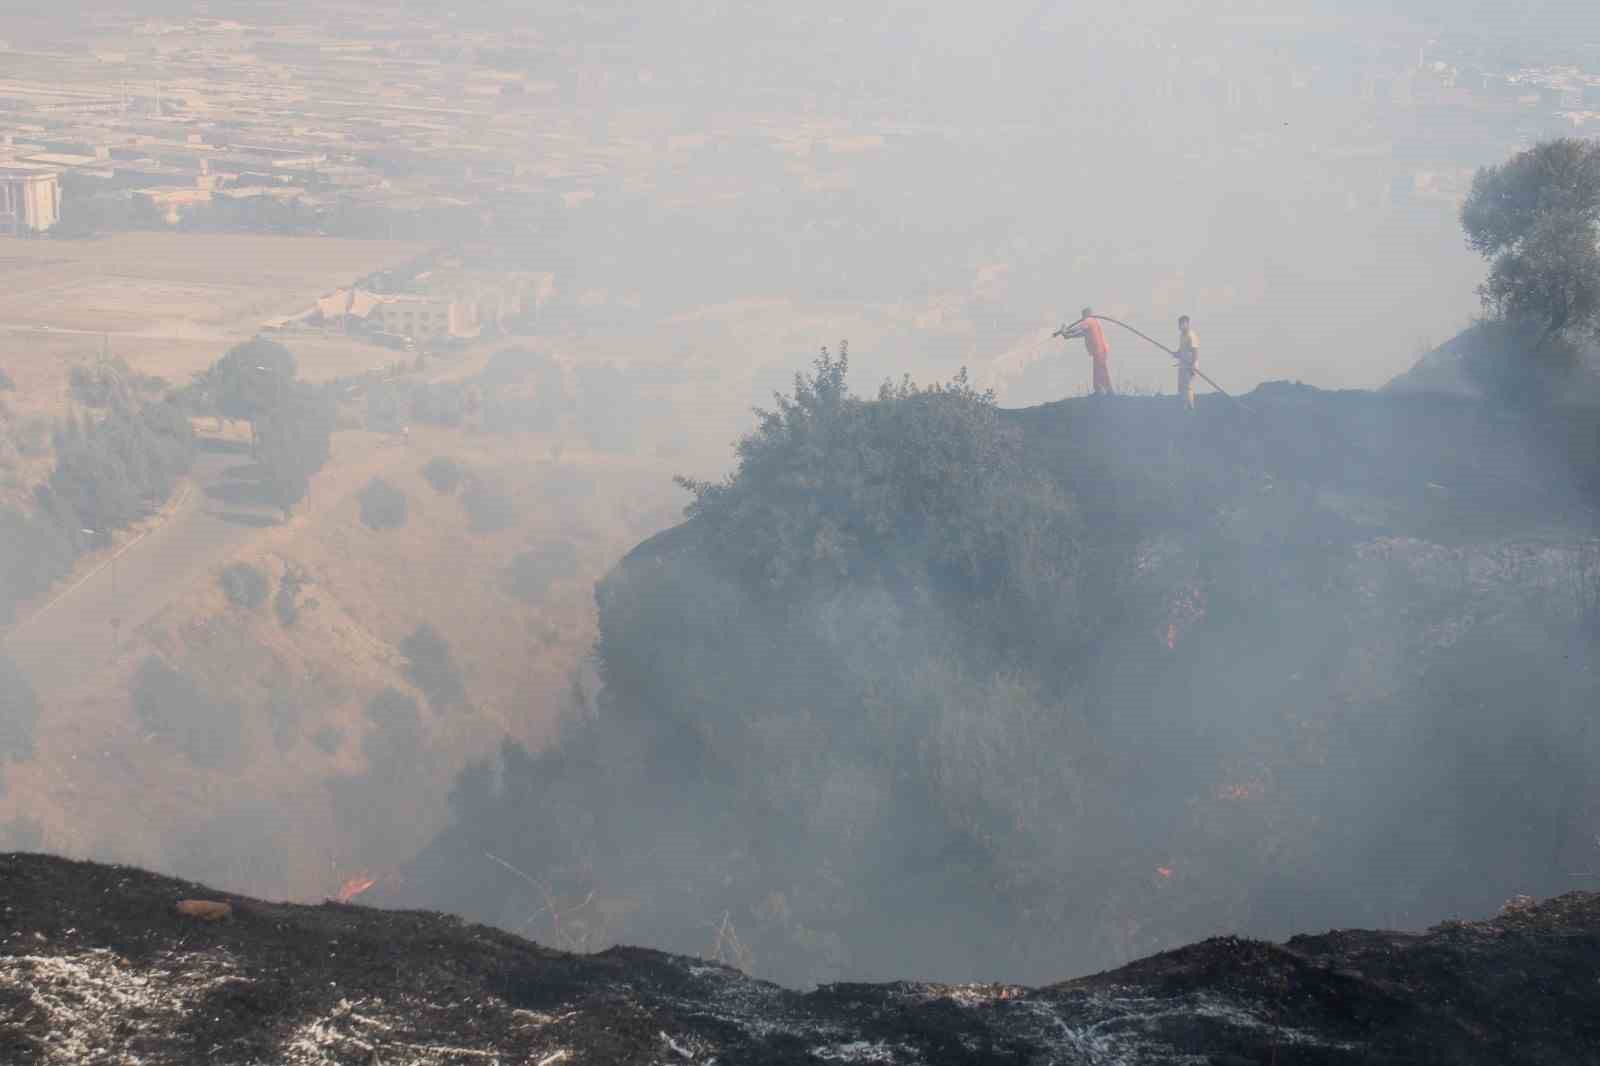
(30, 199)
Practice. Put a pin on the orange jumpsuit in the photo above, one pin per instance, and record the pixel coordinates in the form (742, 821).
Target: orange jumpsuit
(1094, 339)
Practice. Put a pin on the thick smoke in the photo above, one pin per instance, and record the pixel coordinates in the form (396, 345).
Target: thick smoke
(934, 688)
(937, 683)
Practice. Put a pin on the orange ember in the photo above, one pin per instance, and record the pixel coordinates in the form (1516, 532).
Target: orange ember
(1248, 790)
(1165, 872)
(1185, 608)
(354, 887)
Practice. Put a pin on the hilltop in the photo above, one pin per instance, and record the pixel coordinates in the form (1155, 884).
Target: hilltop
(1073, 684)
(97, 966)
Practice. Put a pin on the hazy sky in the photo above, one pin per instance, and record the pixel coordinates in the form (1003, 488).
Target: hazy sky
(1287, 174)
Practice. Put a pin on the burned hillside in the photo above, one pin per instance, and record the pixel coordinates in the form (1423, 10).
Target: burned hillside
(98, 965)
(932, 688)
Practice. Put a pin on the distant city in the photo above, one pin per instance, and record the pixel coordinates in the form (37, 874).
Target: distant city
(376, 128)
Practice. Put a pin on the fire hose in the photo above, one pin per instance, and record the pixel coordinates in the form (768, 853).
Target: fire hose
(1063, 331)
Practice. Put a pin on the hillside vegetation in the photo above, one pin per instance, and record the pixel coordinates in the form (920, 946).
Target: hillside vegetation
(928, 687)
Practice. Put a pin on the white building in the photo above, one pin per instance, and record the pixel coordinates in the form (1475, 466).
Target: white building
(30, 199)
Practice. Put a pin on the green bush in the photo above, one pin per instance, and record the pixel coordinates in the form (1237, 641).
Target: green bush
(118, 468)
(244, 585)
(431, 666)
(443, 473)
(382, 505)
(171, 706)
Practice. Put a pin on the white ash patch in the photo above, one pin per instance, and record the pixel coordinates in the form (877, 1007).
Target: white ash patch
(97, 1007)
(367, 1030)
(968, 995)
(758, 1008)
(863, 1051)
(1128, 1028)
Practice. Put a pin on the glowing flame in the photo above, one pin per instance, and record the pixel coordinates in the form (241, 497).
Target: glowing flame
(1246, 791)
(354, 887)
(1184, 609)
(1165, 872)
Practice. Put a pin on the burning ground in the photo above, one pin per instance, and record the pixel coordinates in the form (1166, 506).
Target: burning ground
(96, 966)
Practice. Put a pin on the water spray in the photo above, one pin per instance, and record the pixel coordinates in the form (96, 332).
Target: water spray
(1062, 332)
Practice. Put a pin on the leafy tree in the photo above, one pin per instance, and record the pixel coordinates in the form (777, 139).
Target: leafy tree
(93, 212)
(251, 380)
(1536, 218)
(112, 470)
(101, 384)
(294, 441)
(382, 505)
(431, 666)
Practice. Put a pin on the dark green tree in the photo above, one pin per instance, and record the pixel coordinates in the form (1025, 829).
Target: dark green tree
(431, 666)
(244, 585)
(251, 381)
(294, 441)
(114, 469)
(1536, 218)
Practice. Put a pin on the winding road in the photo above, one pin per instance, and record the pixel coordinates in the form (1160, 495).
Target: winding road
(77, 631)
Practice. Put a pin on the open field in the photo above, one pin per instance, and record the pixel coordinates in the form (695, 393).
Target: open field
(167, 303)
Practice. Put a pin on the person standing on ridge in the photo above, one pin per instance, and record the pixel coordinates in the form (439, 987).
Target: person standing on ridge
(1094, 339)
(1188, 356)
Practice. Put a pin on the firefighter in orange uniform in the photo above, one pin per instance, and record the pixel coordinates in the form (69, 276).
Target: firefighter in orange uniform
(1094, 340)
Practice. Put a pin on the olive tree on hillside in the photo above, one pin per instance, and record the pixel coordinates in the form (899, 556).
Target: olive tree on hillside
(1536, 218)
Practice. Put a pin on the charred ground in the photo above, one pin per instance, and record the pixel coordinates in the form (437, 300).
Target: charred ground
(96, 967)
